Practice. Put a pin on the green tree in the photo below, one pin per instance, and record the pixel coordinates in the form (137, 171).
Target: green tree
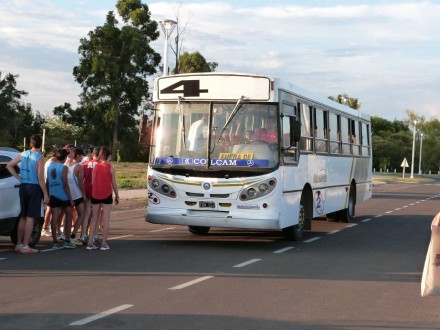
(114, 65)
(346, 100)
(17, 120)
(195, 62)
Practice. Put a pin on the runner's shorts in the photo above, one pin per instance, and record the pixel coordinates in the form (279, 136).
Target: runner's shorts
(31, 200)
(56, 202)
(108, 200)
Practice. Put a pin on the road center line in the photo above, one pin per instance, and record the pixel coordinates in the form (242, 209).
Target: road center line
(388, 212)
(101, 315)
(284, 250)
(118, 237)
(311, 240)
(333, 232)
(246, 263)
(366, 220)
(378, 216)
(157, 230)
(398, 209)
(184, 285)
(2, 258)
(53, 249)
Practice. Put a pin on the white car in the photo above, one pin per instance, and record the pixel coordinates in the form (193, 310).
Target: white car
(10, 201)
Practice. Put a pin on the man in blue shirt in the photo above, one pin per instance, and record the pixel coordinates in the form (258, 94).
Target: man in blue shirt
(32, 192)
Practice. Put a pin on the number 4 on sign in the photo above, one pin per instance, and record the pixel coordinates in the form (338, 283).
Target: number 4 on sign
(404, 165)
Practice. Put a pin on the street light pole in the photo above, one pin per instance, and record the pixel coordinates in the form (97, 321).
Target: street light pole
(420, 159)
(413, 147)
(167, 26)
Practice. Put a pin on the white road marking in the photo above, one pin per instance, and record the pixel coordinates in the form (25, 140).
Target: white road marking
(405, 206)
(129, 218)
(284, 250)
(50, 250)
(378, 216)
(157, 230)
(246, 263)
(333, 232)
(101, 315)
(366, 220)
(118, 237)
(311, 240)
(398, 209)
(352, 225)
(388, 212)
(2, 258)
(184, 285)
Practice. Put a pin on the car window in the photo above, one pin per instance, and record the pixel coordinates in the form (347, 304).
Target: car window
(4, 173)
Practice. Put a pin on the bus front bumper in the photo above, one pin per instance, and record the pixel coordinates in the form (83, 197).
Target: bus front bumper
(184, 217)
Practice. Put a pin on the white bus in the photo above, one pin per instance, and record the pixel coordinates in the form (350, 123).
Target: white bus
(249, 151)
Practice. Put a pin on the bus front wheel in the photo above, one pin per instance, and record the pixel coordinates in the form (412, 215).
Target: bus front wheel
(198, 230)
(295, 232)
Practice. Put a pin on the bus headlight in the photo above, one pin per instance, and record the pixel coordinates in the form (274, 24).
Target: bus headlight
(162, 187)
(263, 187)
(258, 189)
(251, 192)
(155, 183)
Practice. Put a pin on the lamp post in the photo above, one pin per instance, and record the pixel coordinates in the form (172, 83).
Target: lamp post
(413, 147)
(167, 26)
(420, 159)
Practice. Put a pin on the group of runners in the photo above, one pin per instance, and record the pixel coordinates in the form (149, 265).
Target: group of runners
(77, 190)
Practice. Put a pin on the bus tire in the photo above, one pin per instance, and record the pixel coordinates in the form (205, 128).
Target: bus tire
(198, 230)
(295, 232)
(347, 215)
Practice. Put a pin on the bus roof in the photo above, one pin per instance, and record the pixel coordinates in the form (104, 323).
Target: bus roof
(266, 89)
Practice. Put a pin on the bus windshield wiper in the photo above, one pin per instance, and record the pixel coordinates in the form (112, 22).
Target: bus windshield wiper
(182, 115)
(233, 113)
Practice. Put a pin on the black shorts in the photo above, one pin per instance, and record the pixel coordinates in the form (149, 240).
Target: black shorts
(56, 202)
(108, 200)
(78, 201)
(31, 200)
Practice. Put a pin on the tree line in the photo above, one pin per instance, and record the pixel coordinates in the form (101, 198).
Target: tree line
(115, 61)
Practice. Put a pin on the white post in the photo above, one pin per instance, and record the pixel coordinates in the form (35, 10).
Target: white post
(167, 28)
(24, 143)
(413, 147)
(44, 139)
(420, 154)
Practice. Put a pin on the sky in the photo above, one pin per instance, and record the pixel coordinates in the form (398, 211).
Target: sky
(384, 53)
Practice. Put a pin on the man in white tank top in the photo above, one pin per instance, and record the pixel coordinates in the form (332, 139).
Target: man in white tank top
(75, 178)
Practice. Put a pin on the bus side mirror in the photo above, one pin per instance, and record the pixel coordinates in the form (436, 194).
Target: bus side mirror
(296, 130)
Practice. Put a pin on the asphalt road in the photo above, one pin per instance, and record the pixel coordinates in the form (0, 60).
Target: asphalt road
(363, 275)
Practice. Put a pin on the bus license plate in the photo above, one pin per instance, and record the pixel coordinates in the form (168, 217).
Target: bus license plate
(210, 205)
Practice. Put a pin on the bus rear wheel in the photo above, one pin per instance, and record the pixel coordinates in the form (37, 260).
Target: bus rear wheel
(295, 232)
(347, 215)
(198, 230)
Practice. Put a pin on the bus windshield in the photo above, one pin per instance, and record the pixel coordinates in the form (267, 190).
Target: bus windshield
(215, 135)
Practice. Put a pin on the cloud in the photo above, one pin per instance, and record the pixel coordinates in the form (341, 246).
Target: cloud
(380, 52)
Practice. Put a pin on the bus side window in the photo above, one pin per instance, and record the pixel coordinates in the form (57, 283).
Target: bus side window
(306, 142)
(321, 133)
(333, 128)
(289, 148)
(345, 136)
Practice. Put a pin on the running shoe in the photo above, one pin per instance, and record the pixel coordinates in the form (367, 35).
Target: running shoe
(68, 245)
(28, 250)
(104, 247)
(55, 245)
(46, 233)
(84, 239)
(91, 247)
(63, 236)
(77, 242)
(18, 248)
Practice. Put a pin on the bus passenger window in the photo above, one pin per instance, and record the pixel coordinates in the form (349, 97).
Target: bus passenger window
(334, 133)
(306, 128)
